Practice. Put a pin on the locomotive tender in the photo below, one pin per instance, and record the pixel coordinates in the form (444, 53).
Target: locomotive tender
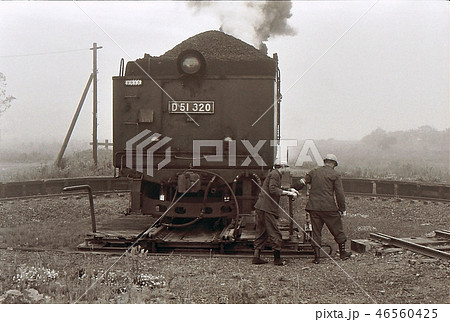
(196, 131)
(199, 126)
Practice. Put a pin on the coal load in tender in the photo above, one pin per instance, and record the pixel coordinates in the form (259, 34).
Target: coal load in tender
(224, 54)
(218, 45)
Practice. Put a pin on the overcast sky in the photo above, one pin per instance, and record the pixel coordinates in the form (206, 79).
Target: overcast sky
(352, 66)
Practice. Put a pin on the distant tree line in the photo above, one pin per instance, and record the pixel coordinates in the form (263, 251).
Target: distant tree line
(421, 154)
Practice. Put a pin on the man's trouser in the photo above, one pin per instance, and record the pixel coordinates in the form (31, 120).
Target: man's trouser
(333, 221)
(267, 230)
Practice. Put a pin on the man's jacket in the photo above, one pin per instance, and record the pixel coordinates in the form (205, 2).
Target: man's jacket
(326, 184)
(269, 199)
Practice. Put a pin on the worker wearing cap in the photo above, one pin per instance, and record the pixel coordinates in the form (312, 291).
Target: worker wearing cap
(326, 190)
(267, 212)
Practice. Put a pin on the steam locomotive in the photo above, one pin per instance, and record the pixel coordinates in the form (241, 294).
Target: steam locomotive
(195, 131)
(197, 125)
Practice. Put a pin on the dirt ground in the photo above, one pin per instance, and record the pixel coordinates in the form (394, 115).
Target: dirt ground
(383, 277)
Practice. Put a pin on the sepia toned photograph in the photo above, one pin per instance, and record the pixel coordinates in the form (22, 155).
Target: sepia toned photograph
(226, 152)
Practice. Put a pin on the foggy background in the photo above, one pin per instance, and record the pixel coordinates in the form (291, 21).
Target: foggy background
(348, 68)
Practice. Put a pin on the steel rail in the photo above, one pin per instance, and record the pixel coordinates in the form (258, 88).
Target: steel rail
(362, 187)
(391, 196)
(443, 233)
(354, 194)
(120, 251)
(62, 194)
(417, 248)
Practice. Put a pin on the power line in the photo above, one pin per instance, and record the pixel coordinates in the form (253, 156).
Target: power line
(45, 53)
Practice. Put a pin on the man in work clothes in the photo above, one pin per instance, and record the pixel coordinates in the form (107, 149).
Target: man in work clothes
(267, 209)
(326, 184)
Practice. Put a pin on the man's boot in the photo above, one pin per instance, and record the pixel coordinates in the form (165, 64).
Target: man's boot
(316, 259)
(256, 258)
(343, 254)
(277, 258)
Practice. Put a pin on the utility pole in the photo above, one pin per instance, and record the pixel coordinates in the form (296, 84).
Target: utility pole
(94, 112)
(92, 78)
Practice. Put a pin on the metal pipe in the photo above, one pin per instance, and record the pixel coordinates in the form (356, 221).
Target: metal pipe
(91, 201)
(291, 220)
(205, 194)
(182, 225)
(121, 68)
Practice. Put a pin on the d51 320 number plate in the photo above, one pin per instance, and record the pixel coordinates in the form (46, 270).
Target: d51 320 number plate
(195, 107)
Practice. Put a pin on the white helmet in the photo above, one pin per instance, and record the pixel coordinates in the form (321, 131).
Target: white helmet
(331, 157)
(280, 163)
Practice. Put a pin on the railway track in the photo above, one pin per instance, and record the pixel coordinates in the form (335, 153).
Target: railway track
(432, 247)
(352, 186)
(118, 252)
(437, 246)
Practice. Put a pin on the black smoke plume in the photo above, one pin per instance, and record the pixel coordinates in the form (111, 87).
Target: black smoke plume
(255, 20)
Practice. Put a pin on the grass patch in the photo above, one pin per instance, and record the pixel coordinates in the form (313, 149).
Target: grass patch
(77, 164)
